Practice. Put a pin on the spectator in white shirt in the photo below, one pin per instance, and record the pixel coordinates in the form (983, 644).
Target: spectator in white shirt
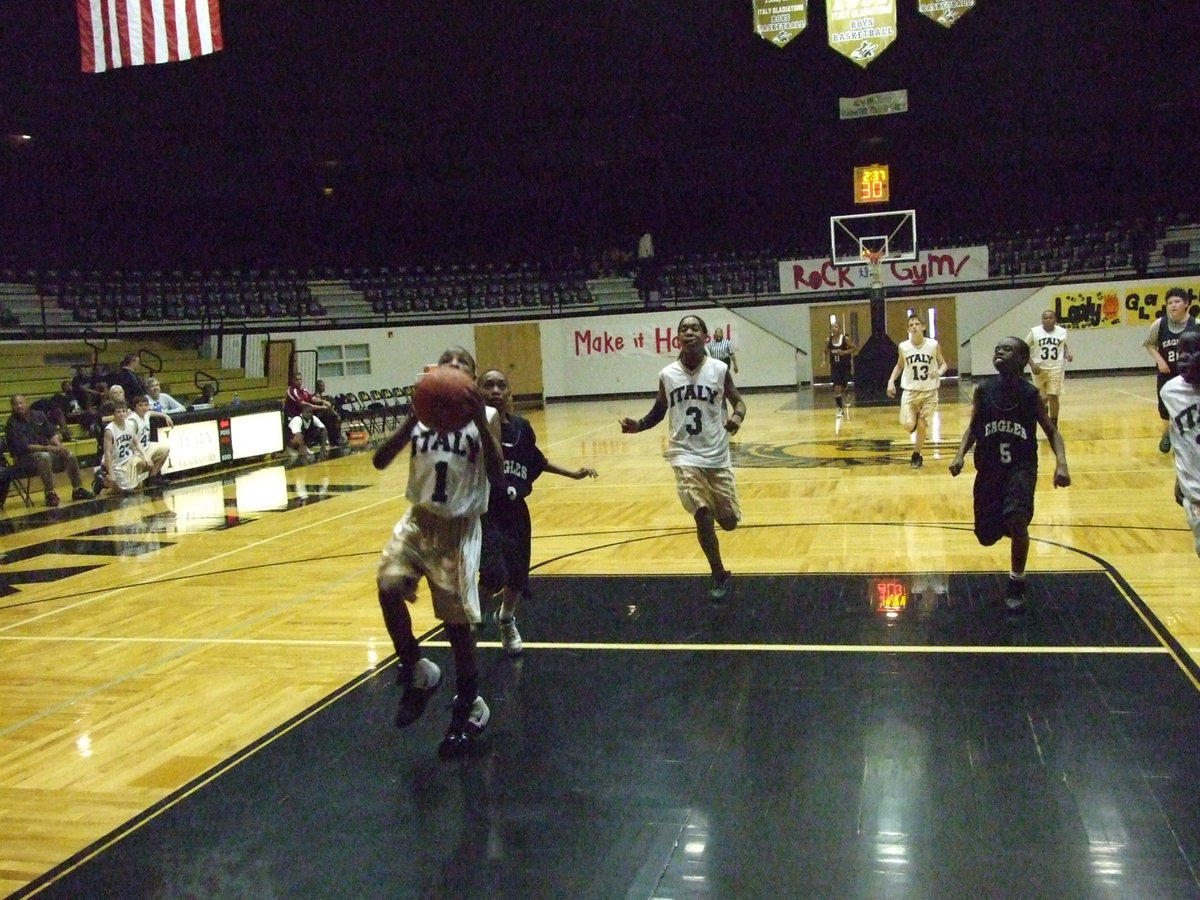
(162, 402)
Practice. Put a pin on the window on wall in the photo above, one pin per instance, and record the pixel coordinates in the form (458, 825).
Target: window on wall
(338, 360)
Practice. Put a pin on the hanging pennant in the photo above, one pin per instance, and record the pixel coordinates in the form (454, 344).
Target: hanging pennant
(944, 12)
(779, 22)
(861, 29)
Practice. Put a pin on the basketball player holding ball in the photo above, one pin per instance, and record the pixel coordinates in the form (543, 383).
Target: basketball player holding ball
(439, 537)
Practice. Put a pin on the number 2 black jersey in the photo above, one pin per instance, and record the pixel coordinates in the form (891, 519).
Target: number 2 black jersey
(523, 462)
(1005, 424)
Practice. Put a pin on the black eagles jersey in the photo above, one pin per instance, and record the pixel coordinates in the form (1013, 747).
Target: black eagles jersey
(1005, 424)
(523, 462)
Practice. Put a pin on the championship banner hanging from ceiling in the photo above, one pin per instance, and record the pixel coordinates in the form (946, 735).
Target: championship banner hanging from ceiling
(944, 12)
(779, 22)
(861, 29)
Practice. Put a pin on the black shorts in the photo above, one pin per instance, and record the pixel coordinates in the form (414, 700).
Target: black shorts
(505, 551)
(840, 374)
(1162, 410)
(999, 496)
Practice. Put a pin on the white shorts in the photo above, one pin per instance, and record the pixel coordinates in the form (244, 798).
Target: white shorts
(712, 489)
(444, 550)
(917, 405)
(130, 474)
(1192, 509)
(1049, 382)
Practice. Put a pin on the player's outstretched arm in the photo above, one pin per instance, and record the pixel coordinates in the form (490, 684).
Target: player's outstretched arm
(577, 474)
(390, 449)
(652, 418)
(734, 422)
(968, 440)
(1062, 478)
(891, 382)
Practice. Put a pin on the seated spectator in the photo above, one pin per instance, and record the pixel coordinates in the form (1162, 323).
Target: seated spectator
(37, 449)
(297, 398)
(155, 451)
(82, 389)
(57, 408)
(206, 397)
(307, 429)
(160, 401)
(126, 465)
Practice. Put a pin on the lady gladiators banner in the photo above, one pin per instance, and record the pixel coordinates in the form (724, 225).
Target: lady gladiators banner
(861, 29)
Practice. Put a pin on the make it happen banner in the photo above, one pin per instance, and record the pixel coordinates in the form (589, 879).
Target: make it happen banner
(815, 276)
(1108, 305)
(633, 336)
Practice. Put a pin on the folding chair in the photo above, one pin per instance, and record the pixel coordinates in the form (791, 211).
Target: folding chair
(372, 412)
(403, 397)
(10, 475)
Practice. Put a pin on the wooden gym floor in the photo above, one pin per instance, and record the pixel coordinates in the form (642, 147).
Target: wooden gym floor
(196, 689)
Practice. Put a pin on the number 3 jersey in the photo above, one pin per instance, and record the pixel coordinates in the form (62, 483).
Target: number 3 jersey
(920, 366)
(1005, 424)
(696, 414)
(446, 471)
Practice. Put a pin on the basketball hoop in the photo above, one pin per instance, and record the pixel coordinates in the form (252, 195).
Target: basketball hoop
(874, 259)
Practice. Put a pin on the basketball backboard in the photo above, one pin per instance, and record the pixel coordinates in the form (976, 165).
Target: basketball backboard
(892, 234)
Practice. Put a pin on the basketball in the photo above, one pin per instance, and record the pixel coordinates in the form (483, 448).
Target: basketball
(445, 399)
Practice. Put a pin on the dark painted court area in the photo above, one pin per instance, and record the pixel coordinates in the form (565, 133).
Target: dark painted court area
(799, 742)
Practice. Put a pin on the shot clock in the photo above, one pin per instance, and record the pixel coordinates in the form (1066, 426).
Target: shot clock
(871, 184)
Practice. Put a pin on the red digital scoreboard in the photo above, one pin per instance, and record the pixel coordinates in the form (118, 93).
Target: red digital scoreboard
(872, 184)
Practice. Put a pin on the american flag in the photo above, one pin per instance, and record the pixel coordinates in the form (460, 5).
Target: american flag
(115, 33)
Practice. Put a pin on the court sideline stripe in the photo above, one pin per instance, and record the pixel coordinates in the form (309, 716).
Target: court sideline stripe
(624, 646)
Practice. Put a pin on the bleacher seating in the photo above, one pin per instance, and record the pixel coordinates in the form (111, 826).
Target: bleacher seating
(183, 298)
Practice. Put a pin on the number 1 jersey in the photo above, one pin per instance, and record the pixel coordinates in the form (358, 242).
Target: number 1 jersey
(447, 474)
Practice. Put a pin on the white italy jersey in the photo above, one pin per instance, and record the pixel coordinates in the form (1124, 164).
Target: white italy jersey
(1182, 401)
(447, 474)
(123, 439)
(142, 427)
(920, 366)
(1047, 349)
(696, 414)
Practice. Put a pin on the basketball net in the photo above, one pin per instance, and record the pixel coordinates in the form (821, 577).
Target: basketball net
(874, 259)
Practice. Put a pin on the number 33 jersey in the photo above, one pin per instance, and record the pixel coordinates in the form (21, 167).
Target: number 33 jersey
(696, 414)
(446, 471)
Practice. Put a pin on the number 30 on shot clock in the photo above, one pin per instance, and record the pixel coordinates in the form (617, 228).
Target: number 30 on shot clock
(871, 184)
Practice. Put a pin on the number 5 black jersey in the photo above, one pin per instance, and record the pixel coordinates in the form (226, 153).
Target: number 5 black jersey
(1005, 424)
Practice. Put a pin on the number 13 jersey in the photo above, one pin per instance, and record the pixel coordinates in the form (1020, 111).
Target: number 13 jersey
(696, 414)
(920, 366)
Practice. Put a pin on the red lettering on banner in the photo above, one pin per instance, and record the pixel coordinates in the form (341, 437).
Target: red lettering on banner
(586, 343)
(817, 280)
(665, 341)
(934, 265)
